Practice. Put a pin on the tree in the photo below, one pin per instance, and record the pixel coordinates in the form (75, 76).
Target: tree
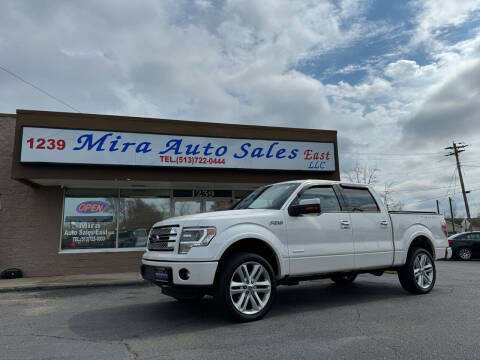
(389, 200)
(368, 175)
(137, 213)
(361, 174)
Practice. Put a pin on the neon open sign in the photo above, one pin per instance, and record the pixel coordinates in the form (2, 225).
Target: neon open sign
(90, 207)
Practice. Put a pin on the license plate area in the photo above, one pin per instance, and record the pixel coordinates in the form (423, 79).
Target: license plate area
(162, 275)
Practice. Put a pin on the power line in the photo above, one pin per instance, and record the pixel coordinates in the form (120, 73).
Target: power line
(451, 182)
(452, 216)
(381, 159)
(395, 154)
(422, 170)
(430, 199)
(470, 162)
(455, 184)
(430, 189)
(436, 198)
(415, 171)
(38, 88)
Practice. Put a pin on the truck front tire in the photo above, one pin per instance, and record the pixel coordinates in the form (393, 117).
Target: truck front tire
(418, 275)
(245, 287)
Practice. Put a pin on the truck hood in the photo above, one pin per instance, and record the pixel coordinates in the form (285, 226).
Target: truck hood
(215, 217)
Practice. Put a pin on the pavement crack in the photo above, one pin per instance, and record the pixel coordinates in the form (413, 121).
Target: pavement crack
(50, 337)
(57, 337)
(372, 338)
(130, 351)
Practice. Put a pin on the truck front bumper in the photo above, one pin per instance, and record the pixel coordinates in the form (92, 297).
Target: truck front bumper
(173, 273)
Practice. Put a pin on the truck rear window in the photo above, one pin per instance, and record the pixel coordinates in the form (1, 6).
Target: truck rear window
(359, 199)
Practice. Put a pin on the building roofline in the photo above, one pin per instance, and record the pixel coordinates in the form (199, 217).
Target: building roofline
(186, 122)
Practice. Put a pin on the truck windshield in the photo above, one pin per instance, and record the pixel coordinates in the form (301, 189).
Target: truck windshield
(268, 197)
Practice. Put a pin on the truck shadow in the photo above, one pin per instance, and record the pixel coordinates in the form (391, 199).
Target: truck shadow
(157, 319)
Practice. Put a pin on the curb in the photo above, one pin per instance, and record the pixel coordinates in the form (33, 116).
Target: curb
(73, 286)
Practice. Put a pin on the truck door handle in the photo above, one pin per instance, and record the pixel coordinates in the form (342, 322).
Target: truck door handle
(384, 223)
(345, 224)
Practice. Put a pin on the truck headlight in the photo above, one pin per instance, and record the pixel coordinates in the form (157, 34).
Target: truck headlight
(195, 236)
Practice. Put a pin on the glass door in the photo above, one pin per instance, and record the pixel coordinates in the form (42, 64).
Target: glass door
(187, 206)
(217, 204)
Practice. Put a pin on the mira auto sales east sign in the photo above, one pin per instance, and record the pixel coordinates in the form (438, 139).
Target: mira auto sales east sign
(67, 146)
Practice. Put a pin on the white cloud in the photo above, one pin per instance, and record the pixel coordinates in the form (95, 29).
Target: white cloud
(114, 56)
(203, 4)
(402, 69)
(435, 15)
(235, 61)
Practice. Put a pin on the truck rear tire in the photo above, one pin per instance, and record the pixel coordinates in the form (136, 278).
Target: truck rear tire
(245, 287)
(418, 275)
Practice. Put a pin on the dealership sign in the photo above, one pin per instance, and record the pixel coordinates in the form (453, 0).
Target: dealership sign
(50, 145)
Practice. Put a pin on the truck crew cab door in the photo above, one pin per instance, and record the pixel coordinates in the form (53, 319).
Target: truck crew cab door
(372, 228)
(320, 242)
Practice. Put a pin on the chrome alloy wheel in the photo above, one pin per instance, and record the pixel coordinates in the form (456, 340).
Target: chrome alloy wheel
(250, 287)
(423, 271)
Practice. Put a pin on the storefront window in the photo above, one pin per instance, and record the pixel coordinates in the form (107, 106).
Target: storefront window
(95, 219)
(187, 207)
(218, 204)
(89, 223)
(137, 214)
(92, 218)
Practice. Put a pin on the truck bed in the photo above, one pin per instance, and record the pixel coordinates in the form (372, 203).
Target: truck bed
(406, 224)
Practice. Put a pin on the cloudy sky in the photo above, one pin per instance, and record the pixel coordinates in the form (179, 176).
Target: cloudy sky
(399, 80)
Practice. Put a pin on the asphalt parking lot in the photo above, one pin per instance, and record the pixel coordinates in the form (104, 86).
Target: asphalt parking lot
(370, 319)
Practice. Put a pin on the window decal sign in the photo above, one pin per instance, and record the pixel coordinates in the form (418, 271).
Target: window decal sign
(89, 223)
(66, 146)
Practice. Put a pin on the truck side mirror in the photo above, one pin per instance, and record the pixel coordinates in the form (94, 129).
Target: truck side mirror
(305, 206)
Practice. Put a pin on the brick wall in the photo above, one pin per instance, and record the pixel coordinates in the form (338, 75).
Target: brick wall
(30, 220)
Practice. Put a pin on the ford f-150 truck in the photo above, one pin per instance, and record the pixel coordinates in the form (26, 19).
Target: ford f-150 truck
(288, 232)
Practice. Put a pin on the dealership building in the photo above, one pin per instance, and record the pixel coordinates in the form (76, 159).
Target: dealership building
(79, 192)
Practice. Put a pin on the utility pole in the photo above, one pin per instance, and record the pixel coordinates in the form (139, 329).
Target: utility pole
(458, 148)
(438, 208)
(451, 214)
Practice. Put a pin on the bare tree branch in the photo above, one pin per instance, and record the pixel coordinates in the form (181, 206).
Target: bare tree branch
(389, 200)
(362, 174)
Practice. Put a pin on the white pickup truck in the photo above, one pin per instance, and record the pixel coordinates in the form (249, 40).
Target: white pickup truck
(289, 232)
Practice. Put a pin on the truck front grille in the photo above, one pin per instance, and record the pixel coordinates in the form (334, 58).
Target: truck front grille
(163, 238)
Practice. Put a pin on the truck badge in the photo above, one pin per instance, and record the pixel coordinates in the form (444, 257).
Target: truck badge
(276, 222)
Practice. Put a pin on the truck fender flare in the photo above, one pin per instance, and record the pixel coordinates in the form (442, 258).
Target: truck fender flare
(422, 237)
(258, 239)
